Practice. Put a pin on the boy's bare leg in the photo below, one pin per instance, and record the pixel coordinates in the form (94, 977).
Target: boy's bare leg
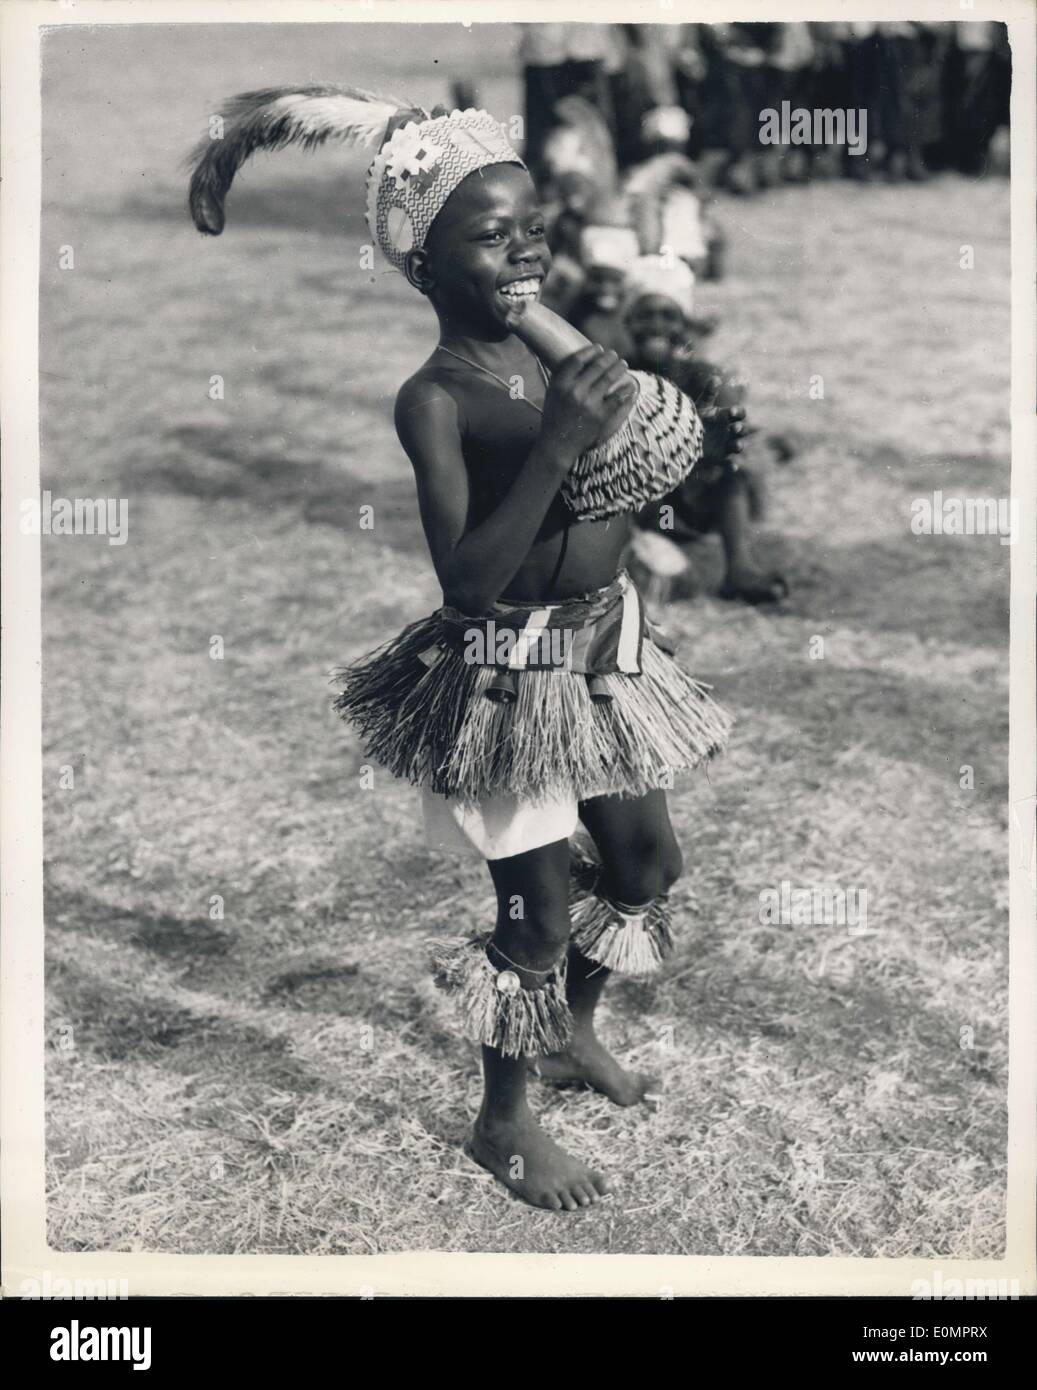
(506, 1138)
(641, 860)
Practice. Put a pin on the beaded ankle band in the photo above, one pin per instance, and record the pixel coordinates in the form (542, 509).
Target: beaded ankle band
(494, 1007)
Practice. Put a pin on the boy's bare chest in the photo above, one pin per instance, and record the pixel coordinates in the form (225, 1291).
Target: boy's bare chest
(501, 426)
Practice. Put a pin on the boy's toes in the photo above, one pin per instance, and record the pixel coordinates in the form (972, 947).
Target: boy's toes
(569, 1202)
(585, 1195)
(601, 1186)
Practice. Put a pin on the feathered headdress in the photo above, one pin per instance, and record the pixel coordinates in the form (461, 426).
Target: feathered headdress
(420, 157)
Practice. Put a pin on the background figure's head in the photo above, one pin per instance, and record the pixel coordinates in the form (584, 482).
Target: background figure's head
(606, 254)
(665, 130)
(659, 308)
(658, 329)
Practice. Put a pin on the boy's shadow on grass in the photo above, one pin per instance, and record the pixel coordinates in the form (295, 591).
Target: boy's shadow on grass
(114, 1021)
(231, 463)
(117, 1022)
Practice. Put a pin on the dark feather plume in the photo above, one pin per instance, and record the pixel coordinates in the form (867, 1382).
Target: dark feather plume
(279, 116)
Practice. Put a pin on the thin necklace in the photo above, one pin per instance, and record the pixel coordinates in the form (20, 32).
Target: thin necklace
(480, 368)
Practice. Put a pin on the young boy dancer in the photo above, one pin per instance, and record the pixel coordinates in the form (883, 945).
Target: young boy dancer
(536, 696)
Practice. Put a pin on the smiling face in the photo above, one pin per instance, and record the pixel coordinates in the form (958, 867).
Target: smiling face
(658, 328)
(486, 251)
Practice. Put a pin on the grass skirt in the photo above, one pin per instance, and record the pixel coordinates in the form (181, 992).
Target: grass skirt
(434, 726)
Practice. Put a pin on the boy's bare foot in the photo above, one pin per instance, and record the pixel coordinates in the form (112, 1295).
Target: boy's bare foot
(518, 1152)
(586, 1060)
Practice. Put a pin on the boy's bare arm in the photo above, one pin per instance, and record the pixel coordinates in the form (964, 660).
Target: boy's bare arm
(475, 567)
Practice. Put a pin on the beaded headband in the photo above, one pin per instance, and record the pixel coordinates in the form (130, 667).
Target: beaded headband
(419, 167)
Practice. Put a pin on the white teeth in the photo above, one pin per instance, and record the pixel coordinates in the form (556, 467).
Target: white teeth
(521, 289)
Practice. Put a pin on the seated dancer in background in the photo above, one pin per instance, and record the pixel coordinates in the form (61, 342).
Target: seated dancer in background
(720, 496)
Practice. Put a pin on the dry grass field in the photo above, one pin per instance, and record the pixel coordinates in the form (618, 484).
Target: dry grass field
(284, 1078)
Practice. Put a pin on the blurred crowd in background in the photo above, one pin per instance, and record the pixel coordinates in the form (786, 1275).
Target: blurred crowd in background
(936, 93)
(630, 130)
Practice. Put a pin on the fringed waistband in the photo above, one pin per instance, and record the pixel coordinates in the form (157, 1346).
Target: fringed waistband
(594, 634)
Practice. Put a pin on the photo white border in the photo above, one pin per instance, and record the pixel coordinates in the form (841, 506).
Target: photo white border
(22, 1194)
